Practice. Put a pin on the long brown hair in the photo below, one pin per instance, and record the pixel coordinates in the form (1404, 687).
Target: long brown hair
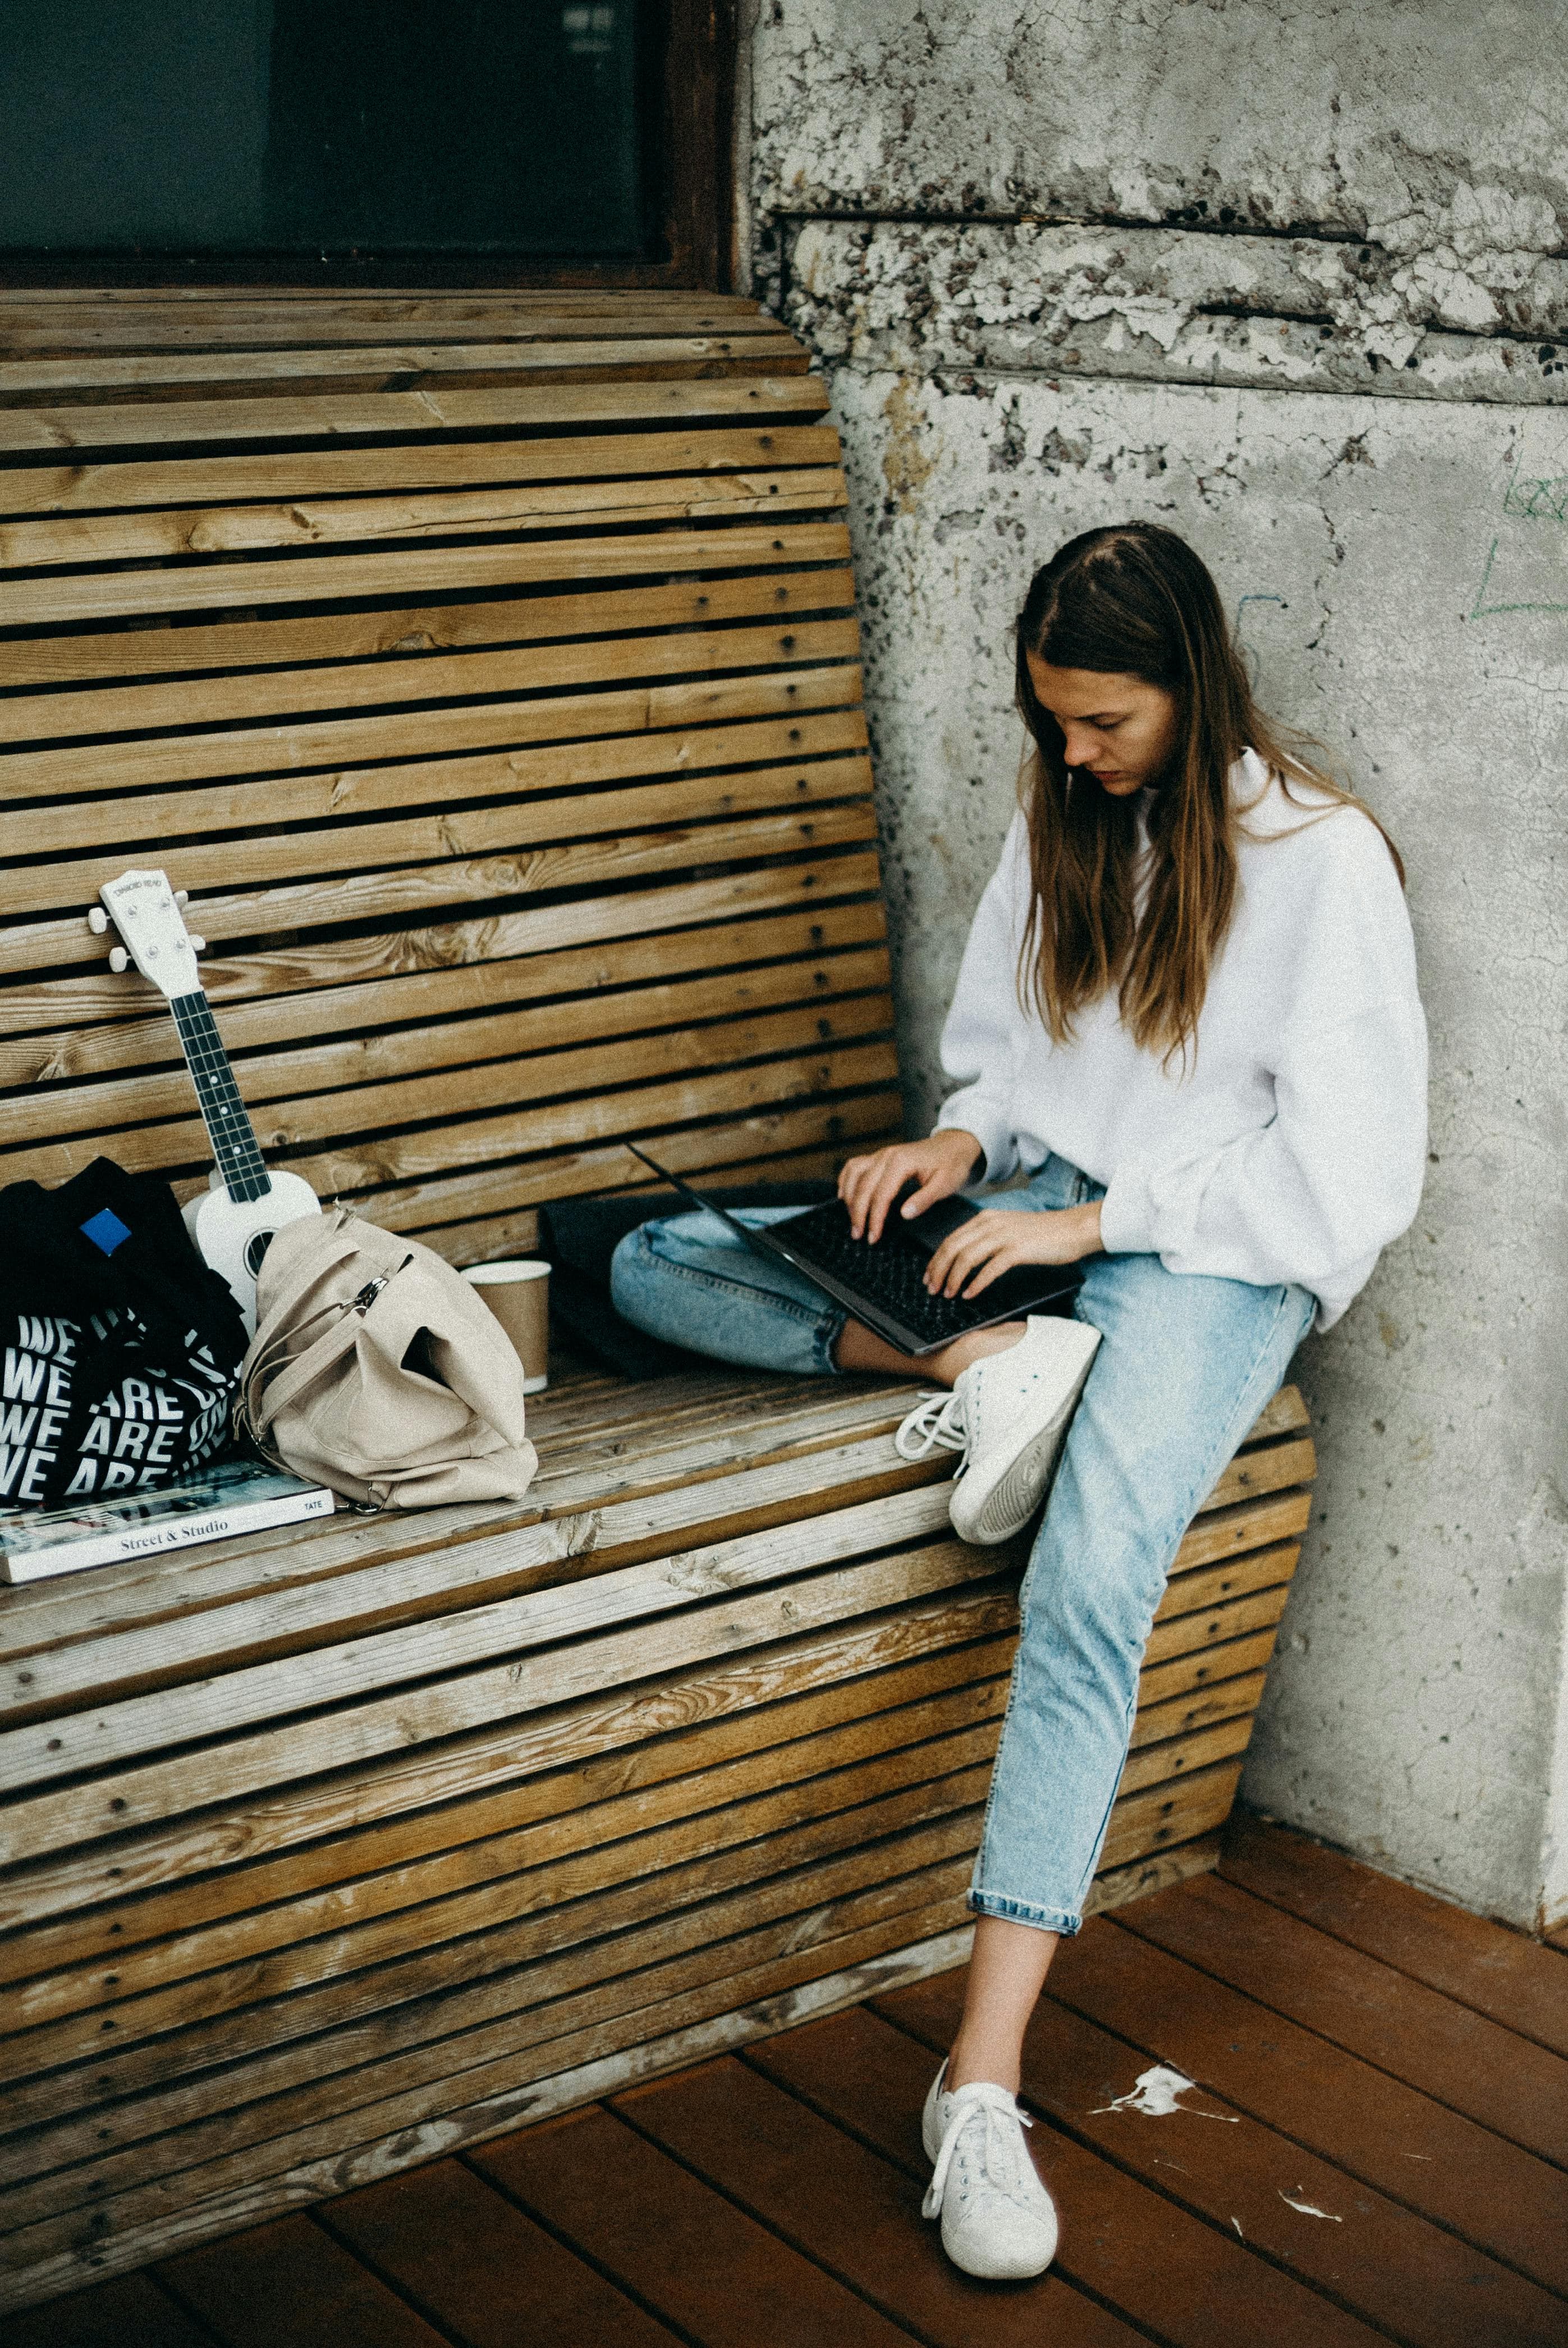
(1135, 600)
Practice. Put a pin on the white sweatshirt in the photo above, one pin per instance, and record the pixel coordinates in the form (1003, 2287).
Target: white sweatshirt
(1294, 1149)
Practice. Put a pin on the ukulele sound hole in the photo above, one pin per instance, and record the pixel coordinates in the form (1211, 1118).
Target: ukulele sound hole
(255, 1249)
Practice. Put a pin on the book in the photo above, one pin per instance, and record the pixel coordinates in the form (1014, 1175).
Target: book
(232, 1496)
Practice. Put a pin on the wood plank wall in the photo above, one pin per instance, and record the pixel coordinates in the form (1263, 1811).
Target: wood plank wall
(485, 667)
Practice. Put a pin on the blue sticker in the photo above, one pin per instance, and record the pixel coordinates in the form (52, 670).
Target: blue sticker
(105, 1229)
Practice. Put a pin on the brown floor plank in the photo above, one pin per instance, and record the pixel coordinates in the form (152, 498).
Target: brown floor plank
(1375, 2129)
(707, 2267)
(1447, 2050)
(129, 2312)
(1502, 1973)
(289, 2285)
(854, 2212)
(1559, 1940)
(1385, 2263)
(480, 2267)
(1184, 2283)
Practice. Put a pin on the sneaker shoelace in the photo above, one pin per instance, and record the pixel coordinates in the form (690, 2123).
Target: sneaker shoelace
(936, 1423)
(1000, 2147)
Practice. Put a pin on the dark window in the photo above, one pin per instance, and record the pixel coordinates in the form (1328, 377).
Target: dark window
(337, 138)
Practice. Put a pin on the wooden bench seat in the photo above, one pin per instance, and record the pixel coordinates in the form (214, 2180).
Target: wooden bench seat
(511, 747)
(349, 1845)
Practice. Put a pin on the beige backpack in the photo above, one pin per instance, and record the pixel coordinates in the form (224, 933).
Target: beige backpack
(377, 1370)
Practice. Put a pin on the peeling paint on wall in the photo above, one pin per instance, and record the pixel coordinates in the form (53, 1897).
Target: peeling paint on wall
(1164, 305)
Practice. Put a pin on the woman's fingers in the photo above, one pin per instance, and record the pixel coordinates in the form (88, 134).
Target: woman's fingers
(932, 1187)
(1003, 1261)
(960, 1254)
(998, 1241)
(890, 1180)
(868, 1185)
(856, 1187)
(989, 1245)
(993, 1258)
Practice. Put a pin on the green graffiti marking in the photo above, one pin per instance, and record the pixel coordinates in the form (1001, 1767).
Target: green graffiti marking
(1537, 500)
(1482, 610)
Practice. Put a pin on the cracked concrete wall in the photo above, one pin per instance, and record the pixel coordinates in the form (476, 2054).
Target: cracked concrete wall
(1295, 281)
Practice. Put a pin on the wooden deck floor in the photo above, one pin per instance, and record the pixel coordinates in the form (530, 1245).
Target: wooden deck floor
(1376, 2149)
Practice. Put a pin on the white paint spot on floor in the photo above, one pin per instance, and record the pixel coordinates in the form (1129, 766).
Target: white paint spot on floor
(1308, 2209)
(1239, 2235)
(1157, 2095)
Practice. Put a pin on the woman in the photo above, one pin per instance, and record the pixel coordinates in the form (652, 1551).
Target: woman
(1187, 1011)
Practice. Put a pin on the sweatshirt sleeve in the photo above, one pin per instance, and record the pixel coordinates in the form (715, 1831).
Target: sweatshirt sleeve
(979, 1041)
(1313, 1196)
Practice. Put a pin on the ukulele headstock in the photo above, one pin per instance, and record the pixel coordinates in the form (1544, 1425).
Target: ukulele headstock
(147, 913)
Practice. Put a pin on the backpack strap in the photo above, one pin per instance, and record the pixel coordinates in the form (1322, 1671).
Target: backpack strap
(263, 1399)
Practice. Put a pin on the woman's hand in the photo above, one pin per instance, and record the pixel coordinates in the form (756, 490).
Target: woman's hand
(999, 1239)
(940, 1165)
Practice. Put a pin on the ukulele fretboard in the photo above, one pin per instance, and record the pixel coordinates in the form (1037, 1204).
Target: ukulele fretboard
(226, 1117)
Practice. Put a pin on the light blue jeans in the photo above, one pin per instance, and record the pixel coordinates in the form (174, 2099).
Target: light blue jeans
(1185, 1364)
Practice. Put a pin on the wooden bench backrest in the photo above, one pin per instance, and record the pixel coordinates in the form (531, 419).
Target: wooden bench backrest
(485, 668)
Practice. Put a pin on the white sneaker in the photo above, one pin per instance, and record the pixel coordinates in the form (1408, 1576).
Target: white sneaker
(998, 2219)
(1008, 1415)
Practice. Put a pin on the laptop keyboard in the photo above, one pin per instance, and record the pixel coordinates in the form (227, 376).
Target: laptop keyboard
(892, 1274)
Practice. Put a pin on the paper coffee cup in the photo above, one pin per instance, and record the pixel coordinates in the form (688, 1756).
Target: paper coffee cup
(517, 1293)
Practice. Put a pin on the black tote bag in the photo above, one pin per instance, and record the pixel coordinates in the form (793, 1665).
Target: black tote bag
(119, 1350)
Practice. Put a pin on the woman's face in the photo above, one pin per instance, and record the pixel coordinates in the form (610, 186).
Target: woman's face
(1116, 728)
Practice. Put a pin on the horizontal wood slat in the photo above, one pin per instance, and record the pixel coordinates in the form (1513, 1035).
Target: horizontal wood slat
(438, 1207)
(694, 354)
(462, 832)
(718, 1122)
(557, 718)
(183, 423)
(615, 623)
(570, 766)
(516, 1231)
(210, 530)
(363, 1007)
(511, 1035)
(281, 642)
(445, 464)
(414, 888)
(289, 968)
(365, 1156)
(51, 597)
(425, 1159)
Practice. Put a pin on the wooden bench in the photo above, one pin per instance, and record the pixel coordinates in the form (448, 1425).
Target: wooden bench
(486, 670)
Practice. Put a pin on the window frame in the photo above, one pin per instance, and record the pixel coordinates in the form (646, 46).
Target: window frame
(696, 199)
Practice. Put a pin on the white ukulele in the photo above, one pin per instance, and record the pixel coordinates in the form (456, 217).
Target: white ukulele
(233, 1225)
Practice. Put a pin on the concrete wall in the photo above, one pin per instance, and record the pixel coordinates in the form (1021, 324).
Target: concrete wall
(1295, 281)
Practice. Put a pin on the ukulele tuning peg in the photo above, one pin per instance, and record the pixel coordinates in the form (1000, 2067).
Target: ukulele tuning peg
(118, 958)
(198, 945)
(97, 921)
(182, 897)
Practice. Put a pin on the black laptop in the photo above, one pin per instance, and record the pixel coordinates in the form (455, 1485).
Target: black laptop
(883, 1286)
